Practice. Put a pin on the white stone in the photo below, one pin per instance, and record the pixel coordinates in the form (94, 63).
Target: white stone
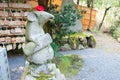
(80, 46)
(43, 41)
(32, 73)
(118, 39)
(54, 78)
(57, 71)
(63, 77)
(65, 47)
(42, 68)
(29, 77)
(42, 56)
(58, 77)
(77, 27)
(4, 67)
(51, 66)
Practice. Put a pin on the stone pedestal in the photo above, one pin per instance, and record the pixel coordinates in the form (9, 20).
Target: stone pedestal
(44, 72)
(4, 68)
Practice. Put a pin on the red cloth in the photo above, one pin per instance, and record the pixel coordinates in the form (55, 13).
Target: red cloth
(39, 8)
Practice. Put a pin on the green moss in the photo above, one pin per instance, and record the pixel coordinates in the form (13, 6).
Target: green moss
(64, 64)
(79, 35)
(74, 42)
(93, 39)
(44, 76)
(69, 65)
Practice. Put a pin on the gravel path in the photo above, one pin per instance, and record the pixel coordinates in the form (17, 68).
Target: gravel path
(16, 66)
(98, 65)
(107, 43)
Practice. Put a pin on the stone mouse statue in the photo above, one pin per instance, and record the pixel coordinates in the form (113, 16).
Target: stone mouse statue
(37, 48)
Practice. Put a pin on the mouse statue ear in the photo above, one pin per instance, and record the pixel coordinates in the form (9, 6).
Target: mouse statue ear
(31, 16)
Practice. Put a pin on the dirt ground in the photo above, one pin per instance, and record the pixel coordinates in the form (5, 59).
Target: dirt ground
(107, 43)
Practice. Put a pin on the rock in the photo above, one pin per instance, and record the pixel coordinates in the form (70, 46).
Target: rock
(34, 74)
(29, 48)
(51, 67)
(91, 42)
(42, 56)
(80, 47)
(43, 41)
(73, 41)
(77, 27)
(57, 72)
(65, 47)
(60, 77)
(118, 39)
(42, 68)
(83, 42)
(54, 78)
(29, 77)
(63, 77)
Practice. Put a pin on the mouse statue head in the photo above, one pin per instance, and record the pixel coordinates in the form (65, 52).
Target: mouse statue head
(41, 17)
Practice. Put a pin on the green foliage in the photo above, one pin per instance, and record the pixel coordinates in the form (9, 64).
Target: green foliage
(68, 16)
(69, 65)
(55, 49)
(63, 20)
(115, 32)
(112, 30)
(102, 3)
(74, 42)
(115, 28)
(64, 64)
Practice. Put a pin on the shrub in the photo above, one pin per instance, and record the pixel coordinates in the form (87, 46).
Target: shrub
(115, 28)
(63, 20)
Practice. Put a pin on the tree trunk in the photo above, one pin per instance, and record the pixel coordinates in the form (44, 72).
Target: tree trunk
(43, 3)
(78, 1)
(91, 8)
(104, 17)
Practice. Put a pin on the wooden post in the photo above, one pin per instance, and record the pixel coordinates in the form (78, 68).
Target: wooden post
(104, 17)
(91, 9)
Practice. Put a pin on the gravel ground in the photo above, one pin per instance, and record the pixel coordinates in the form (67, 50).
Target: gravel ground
(100, 63)
(107, 43)
(16, 66)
